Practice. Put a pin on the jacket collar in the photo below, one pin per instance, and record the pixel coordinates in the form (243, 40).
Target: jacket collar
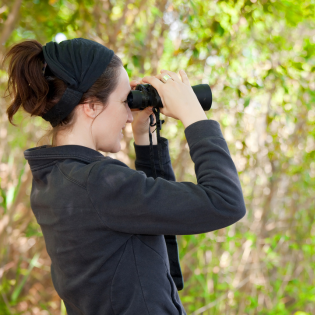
(46, 154)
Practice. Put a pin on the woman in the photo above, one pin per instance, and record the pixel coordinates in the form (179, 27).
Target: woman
(104, 223)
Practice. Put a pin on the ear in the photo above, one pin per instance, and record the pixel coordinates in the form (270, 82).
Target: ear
(90, 109)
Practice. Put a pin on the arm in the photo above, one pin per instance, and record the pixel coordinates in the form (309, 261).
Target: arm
(128, 201)
(142, 163)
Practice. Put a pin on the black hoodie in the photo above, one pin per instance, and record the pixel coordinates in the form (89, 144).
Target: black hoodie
(110, 231)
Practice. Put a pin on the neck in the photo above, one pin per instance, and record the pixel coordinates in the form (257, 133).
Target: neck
(74, 138)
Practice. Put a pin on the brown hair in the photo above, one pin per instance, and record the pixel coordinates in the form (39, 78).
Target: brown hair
(37, 93)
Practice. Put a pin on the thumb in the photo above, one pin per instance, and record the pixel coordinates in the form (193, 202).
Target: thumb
(149, 111)
(145, 113)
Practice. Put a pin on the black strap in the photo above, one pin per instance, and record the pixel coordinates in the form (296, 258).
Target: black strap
(151, 148)
(173, 256)
(170, 240)
(158, 124)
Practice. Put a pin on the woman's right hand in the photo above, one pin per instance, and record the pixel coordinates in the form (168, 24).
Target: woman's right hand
(178, 98)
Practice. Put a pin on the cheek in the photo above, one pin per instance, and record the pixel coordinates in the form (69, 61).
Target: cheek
(108, 125)
(101, 126)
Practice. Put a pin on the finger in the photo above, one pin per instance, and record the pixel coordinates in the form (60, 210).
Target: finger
(173, 75)
(182, 73)
(143, 115)
(156, 83)
(148, 111)
(134, 83)
(184, 77)
(159, 76)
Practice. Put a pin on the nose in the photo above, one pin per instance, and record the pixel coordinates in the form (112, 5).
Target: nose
(129, 115)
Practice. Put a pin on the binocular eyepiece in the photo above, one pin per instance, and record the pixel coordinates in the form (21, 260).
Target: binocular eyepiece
(146, 95)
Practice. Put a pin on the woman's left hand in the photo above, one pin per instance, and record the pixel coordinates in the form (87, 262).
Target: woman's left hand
(141, 120)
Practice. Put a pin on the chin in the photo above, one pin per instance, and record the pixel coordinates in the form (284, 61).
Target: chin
(114, 149)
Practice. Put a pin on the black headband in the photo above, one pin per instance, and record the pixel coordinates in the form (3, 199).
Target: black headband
(78, 62)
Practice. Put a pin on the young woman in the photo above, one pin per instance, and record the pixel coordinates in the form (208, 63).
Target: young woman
(110, 230)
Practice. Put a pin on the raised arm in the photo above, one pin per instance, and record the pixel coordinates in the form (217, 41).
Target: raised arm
(129, 201)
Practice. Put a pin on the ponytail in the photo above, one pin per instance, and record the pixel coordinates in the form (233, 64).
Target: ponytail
(27, 85)
(37, 92)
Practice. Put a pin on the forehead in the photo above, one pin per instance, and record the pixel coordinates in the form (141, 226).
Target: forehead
(123, 86)
(124, 80)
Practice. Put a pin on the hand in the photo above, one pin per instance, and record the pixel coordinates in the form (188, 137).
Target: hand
(134, 83)
(177, 96)
(141, 120)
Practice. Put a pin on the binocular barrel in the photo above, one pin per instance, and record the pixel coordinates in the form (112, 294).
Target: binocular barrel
(146, 95)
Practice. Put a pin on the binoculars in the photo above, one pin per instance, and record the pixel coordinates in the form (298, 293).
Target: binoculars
(146, 95)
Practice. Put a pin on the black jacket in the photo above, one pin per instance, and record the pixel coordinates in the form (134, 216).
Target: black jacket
(104, 223)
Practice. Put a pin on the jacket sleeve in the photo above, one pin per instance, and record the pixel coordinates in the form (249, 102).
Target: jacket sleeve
(143, 163)
(128, 201)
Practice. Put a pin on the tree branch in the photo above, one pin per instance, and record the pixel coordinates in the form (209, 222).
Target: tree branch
(9, 23)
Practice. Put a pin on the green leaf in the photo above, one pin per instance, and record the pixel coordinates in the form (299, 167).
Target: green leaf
(19, 288)
(247, 101)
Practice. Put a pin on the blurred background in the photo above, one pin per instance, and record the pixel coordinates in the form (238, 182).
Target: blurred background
(258, 58)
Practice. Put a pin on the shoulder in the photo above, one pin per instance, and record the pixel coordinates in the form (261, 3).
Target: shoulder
(80, 172)
(108, 165)
(113, 176)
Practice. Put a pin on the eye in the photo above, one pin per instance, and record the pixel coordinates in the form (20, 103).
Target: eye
(126, 101)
